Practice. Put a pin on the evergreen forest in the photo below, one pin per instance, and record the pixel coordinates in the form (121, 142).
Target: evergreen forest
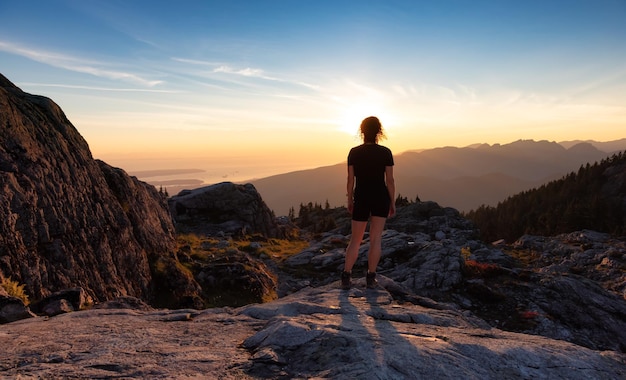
(593, 198)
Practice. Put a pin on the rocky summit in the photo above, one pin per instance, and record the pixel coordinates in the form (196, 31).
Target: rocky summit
(120, 282)
(447, 306)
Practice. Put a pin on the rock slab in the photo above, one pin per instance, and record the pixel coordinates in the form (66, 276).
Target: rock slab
(322, 333)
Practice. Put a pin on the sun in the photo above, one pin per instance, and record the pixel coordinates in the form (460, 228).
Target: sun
(351, 116)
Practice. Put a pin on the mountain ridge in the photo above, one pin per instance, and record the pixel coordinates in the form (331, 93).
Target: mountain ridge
(447, 175)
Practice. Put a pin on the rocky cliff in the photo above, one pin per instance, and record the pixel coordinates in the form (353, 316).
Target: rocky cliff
(67, 220)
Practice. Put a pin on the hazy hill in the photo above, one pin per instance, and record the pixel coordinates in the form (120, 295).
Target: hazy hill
(463, 178)
(607, 146)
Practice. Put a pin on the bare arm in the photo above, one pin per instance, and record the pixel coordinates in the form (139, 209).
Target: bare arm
(350, 188)
(391, 188)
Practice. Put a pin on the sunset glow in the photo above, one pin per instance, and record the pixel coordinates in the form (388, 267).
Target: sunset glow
(273, 86)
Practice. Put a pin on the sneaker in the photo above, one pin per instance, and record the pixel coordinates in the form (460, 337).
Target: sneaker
(345, 280)
(370, 280)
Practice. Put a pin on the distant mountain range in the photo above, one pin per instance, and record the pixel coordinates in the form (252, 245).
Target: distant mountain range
(463, 178)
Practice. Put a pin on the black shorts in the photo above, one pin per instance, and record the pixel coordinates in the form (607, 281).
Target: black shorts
(365, 207)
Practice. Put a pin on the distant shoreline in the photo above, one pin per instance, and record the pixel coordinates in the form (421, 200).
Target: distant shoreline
(177, 182)
(164, 172)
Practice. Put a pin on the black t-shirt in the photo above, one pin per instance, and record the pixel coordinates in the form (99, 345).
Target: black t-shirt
(370, 161)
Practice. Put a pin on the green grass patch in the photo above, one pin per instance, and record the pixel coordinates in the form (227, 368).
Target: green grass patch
(206, 248)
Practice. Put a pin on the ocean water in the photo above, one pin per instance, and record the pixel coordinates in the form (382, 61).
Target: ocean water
(181, 173)
(187, 178)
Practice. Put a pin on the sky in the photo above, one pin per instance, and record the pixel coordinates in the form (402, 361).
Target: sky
(280, 85)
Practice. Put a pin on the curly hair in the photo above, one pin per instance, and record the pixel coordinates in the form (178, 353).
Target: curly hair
(371, 130)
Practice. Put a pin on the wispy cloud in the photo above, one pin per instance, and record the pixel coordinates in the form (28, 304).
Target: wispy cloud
(75, 64)
(196, 62)
(96, 88)
(248, 72)
(603, 82)
(220, 67)
(258, 73)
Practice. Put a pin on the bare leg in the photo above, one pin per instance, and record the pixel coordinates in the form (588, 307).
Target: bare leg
(352, 252)
(377, 224)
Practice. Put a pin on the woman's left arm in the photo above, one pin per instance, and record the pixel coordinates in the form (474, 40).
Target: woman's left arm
(350, 188)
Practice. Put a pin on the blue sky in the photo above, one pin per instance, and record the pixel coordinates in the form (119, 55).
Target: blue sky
(285, 83)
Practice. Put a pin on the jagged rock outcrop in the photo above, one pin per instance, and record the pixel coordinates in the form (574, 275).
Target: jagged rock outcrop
(235, 279)
(423, 265)
(430, 218)
(321, 333)
(574, 287)
(67, 220)
(225, 211)
(421, 248)
(593, 255)
(225, 208)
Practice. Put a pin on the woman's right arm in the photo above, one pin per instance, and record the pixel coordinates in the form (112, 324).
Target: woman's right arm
(391, 188)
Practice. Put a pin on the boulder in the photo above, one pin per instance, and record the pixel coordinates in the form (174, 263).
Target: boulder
(63, 301)
(224, 208)
(12, 309)
(235, 279)
(124, 303)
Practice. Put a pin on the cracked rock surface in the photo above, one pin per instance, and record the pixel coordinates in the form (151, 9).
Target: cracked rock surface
(320, 332)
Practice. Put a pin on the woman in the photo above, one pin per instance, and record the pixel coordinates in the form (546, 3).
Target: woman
(370, 167)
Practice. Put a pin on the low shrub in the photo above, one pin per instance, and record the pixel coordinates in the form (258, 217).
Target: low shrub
(14, 289)
(529, 314)
(476, 269)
